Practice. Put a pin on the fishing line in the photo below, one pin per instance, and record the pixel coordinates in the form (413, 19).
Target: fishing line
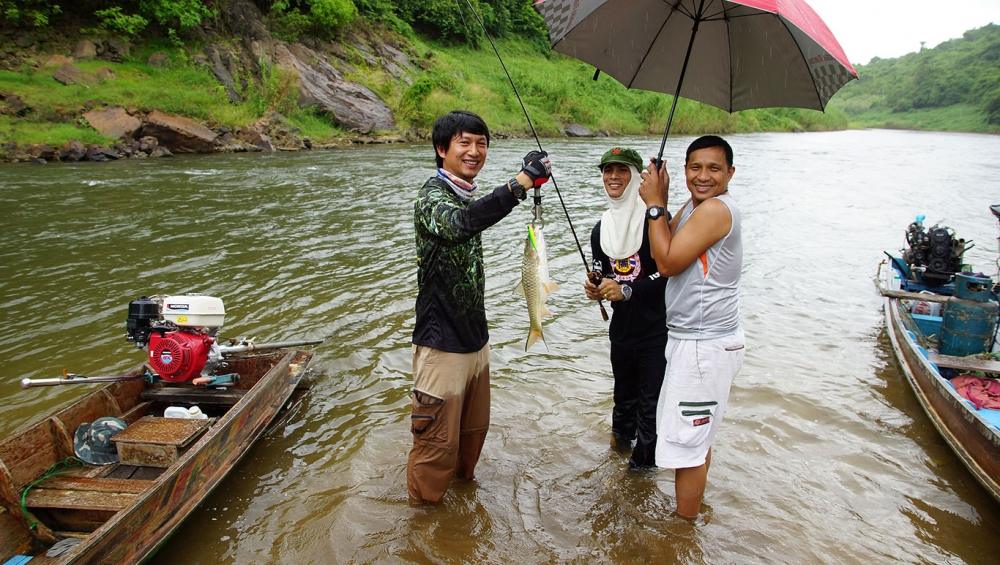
(530, 125)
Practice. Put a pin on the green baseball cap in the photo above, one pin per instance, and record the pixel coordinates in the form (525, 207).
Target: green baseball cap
(621, 155)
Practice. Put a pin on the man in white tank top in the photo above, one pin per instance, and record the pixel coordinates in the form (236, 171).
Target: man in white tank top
(701, 250)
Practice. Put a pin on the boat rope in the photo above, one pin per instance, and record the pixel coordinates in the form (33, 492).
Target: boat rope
(537, 195)
(58, 469)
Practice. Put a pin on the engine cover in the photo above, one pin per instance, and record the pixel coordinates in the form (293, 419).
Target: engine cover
(179, 356)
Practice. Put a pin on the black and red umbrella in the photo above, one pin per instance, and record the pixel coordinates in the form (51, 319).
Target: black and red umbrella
(734, 55)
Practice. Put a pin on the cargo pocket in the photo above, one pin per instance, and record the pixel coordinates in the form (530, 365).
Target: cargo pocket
(694, 422)
(425, 419)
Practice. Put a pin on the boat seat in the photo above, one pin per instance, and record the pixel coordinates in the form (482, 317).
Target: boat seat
(969, 363)
(191, 395)
(83, 503)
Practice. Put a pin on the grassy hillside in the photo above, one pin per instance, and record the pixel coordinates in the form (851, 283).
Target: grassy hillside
(954, 86)
(556, 91)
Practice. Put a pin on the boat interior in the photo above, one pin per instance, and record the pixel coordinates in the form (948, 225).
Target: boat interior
(48, 494)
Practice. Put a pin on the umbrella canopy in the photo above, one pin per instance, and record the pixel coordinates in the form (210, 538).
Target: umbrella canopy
(733, 55)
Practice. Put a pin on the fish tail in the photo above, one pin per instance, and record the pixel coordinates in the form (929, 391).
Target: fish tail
(533, 336)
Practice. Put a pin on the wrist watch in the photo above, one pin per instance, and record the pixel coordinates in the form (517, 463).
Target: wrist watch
(516, 189)
(626, 292)
(655, 212)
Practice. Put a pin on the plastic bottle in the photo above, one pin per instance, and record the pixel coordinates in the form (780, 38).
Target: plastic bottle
(192, 413)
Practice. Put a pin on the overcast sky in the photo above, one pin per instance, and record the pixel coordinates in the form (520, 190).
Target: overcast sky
(891, 28)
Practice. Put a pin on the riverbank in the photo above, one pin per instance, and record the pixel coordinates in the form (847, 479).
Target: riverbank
(68, 94)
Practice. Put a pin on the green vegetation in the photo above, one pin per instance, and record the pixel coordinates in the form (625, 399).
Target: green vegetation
(557, 90)
(954, 86)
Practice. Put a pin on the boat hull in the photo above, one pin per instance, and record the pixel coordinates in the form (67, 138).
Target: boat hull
(974, 441)
(133, 534)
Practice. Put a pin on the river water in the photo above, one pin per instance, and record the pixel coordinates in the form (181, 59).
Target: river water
(825, 455)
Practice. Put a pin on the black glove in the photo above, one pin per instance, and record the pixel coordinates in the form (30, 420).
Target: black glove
(537, 166)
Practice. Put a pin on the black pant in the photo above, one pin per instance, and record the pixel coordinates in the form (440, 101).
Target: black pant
(638, 376)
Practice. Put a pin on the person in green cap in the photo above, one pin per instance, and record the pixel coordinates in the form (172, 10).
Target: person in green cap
(629, 279)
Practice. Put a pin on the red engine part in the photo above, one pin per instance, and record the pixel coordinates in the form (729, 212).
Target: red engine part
(179, 356)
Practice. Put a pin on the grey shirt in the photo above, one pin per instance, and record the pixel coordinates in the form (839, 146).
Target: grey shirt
(703, 301)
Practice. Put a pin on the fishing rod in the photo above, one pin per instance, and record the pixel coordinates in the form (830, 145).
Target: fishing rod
(531, 126)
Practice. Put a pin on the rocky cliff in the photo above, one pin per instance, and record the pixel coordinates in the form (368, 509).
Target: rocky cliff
(239, 51)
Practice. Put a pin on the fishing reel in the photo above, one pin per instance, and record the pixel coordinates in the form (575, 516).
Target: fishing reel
(934, 255)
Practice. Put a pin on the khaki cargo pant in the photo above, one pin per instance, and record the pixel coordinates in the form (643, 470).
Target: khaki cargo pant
(449, 420)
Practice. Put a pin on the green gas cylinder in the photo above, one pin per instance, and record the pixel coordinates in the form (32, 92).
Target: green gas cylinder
(970, 317)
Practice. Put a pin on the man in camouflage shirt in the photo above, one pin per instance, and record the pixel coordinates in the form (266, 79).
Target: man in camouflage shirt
(451, 379)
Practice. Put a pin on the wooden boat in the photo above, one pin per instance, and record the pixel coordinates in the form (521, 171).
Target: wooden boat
(973, 434)
(120, 513)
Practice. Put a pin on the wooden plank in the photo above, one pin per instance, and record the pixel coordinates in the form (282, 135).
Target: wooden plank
(14, 537)
(74, 520)
(87, 409)
(77, 535)
(97, 484)
(29, 454)
(162, 431)
(968, 363)
(136, 412)
(79, 499)
(173, 395)
(926, 297)
(147, 473)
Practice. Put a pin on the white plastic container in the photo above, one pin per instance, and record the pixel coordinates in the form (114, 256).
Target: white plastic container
(192, 413)
(194, 311)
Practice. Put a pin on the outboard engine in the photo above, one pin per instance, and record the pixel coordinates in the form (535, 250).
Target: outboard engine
(934, 255)
(179, 331)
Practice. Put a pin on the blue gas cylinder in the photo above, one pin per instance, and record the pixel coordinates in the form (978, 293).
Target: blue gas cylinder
(970, 317)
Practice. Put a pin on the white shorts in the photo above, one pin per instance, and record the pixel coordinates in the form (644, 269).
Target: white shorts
(694, 397)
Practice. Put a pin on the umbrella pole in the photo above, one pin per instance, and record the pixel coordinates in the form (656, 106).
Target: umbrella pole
(677, 91)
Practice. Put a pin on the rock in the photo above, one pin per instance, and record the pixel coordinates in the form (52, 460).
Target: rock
(115, 50)
(58, 61)
(13, 105)
(85, 49)
(43, 151)
(257, 139)
(159, 59)
(395, 62)
(113, 122)
(351, 105)
(100, 154)
(39, 161)
(221, 72)
(243, 18)
(72, 151)
(126, 149)
(68, 74)
(179, 134)
(160, 152)
(147, 143)
(24, 41)
(104, 74)
(576, 130)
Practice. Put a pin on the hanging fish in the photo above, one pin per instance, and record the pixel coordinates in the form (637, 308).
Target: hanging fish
(535, 285)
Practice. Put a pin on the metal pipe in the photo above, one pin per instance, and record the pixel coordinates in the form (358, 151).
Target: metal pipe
(249, 346)
(73, 379)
